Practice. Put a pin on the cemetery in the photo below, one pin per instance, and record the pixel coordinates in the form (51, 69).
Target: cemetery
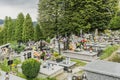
(60, 40)
(55, 58)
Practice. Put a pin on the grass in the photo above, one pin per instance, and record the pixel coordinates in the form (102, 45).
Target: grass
(108, 51)
(115, 58)
(21, 75)
(78, 62)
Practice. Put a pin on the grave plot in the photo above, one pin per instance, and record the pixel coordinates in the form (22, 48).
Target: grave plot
(102, 70)
(118, 52)
(82, 55)
(67, 63)
(97, 46)
(50, 70)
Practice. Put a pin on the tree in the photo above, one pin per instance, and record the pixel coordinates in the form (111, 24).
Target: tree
(10, 30)
(5, 30)
(50, 14)
(74, 15)
(1, 35)
(37, 33)
(115, 22)
(19, 27)
(28, 30)
(30, 68)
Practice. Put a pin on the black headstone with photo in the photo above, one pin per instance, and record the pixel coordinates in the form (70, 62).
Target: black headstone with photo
(10, 62)
(29, 55)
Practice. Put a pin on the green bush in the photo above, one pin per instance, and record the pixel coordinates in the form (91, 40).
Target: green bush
(18, 48)
(30, 68)
(108, 51)
(16, 61)
(4, 66)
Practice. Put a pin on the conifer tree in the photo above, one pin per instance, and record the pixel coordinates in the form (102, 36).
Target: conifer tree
(19, 27)
(37, 33)
(28, 30)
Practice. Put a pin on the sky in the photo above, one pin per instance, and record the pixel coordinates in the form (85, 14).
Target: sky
(13, 7)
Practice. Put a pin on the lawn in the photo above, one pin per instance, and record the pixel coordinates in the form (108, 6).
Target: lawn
(108, 51)
(79, 62)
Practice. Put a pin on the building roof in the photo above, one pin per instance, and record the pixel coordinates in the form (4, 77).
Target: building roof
(104, 67)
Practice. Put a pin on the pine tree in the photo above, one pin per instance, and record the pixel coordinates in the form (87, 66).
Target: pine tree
(19, 27)
(10, 30)
(37, 33)
(73, 15)
(28, 30)
(1, 36)
(5, 30)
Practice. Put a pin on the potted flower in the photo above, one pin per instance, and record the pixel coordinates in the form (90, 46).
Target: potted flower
(59, 58)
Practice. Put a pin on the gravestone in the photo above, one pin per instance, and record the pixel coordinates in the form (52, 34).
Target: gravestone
(102, 70)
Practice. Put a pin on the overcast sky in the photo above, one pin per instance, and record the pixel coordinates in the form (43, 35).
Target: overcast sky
(13, 7)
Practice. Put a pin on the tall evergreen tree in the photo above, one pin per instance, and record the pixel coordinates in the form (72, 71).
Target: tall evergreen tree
(28, 30)
(37, 33)
(10, 30)
(1, 36)
(50, 14)
(19, 27)
(74, 15)
(5, 29)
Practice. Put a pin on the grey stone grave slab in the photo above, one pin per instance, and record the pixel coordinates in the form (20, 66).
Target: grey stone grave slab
(63, 63)
(51, 71)
(118, 52)
(102, 70)
(82, 55)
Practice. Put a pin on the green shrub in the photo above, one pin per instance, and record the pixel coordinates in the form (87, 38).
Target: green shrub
(16, 61)
(30, 68)
(18, 48)
(108, 51)
(4, 66)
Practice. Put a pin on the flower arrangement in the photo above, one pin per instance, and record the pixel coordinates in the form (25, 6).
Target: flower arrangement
(56, 57)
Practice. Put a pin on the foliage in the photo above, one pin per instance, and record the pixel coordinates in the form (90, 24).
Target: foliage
(30, 68)
(19, 27)
(17, 61)
(5, 30)
(28, 30)
(78, 62)
(10, 30)
(59, 16)
(4, 66)
(21, 75)
(108, 51)
(48, 39)
(17, 47)
(37, 33)
(115, 23)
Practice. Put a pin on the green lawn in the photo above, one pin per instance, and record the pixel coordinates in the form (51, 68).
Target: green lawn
(108, 51)
(79, 62)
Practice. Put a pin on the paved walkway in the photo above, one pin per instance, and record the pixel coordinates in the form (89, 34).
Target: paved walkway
(12, 77)
(77, 69)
